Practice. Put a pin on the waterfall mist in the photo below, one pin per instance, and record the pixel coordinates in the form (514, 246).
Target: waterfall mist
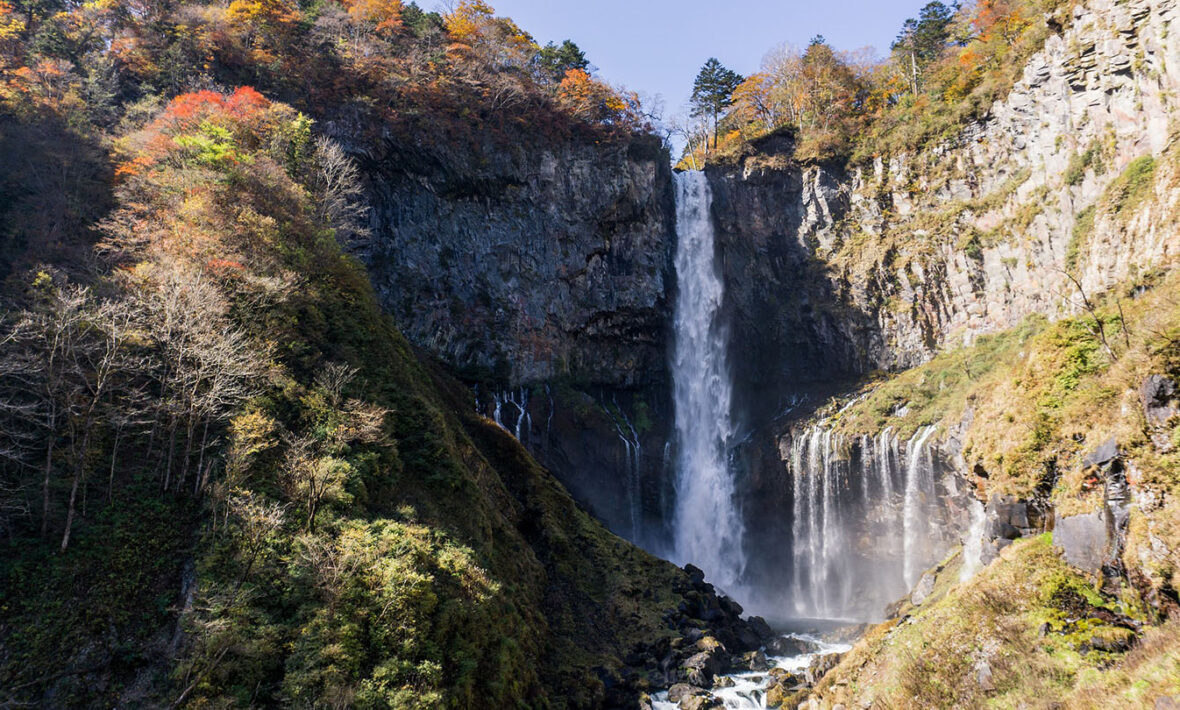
(708, 527)
(868, 516)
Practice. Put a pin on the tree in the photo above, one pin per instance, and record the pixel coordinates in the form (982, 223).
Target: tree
(316, 469)
(923, 40)
(712, 92)
(553, 61)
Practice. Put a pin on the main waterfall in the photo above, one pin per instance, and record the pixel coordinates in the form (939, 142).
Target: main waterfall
(708, 526)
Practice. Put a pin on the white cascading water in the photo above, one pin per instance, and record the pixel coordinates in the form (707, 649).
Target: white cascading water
(861, 523)
(708, 526)
(632, 482)
(919, 485)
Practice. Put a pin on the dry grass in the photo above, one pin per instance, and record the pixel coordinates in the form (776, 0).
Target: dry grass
(931, 657)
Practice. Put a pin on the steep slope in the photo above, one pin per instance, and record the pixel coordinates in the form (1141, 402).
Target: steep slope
(259, 495)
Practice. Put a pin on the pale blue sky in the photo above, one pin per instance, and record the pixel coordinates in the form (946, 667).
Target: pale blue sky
(657, 46)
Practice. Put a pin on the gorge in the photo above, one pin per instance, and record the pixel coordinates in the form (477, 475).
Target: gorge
(354, 354)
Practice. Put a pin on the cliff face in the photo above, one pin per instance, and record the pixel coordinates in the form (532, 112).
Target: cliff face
(541, 272)
(528, 265)
(1065, 190)
(880, 267)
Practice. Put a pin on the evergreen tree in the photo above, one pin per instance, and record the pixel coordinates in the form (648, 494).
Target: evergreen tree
(923, 40)
(553, 61)
(712, 92)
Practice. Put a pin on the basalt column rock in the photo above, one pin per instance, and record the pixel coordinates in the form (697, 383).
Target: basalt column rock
(541, 273)
(529, 264)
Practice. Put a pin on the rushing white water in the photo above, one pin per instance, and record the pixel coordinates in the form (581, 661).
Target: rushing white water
(632, 481)
(867, 516)
(708, 527)
(748, 691)
(919, 484)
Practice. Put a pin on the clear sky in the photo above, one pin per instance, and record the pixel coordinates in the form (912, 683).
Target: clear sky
(657, 46)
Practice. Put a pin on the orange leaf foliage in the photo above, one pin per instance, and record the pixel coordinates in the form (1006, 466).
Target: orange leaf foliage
(386, 14)
(189, 109)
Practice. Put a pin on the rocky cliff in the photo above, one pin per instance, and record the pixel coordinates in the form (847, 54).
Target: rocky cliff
(1061, 199)
(529, 264)
(843, 271)
(541, 272)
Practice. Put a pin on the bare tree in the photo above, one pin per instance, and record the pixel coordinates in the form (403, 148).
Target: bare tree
(338, 193)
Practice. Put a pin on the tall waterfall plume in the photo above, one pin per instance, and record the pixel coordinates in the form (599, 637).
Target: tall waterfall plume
(708, 525)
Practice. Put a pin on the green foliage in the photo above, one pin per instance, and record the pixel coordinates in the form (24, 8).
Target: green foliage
(1078, 354)
(553, 61)
(1132, 186)
(1092, 157)
(712, 92)
(211, 146)
(939, 389)
(1082, 229)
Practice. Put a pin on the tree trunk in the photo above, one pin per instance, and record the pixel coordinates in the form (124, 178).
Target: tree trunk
(79, 472)
(45, 483)
(114, 457)
(170, 454)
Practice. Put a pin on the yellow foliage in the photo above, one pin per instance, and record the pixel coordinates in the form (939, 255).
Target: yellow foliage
(246, 13)
(466, 22)
(10, 24)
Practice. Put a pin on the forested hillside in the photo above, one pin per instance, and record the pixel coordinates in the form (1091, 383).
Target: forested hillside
(225, 477)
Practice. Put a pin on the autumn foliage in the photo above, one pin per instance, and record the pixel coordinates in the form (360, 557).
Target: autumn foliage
(945, 68)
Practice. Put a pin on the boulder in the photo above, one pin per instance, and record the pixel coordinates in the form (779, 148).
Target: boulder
(759, 626)
(701, 702)
(923, 589)
(682, 691)
(746, 638)
(1082, 539)
(790, 646)
(752, 661)
(701, 668)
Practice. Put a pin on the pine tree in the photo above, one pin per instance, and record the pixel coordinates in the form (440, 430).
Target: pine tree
(712, 92)
(922, 40)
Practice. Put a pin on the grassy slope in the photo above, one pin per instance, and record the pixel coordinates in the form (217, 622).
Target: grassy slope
(1029, 618)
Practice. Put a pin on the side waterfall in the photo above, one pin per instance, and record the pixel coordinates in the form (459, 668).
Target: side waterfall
(708, 526)
(868, 517)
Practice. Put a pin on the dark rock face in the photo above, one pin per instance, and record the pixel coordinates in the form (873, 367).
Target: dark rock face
(530, 264)
(527, 266)
(789, 329)
(1009, 518)
(1161, 404)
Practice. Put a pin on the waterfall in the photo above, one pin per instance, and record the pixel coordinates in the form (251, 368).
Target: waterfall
(867, 517)
(708, 526)
(918, 485)
(522, 427)
(631, 451)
